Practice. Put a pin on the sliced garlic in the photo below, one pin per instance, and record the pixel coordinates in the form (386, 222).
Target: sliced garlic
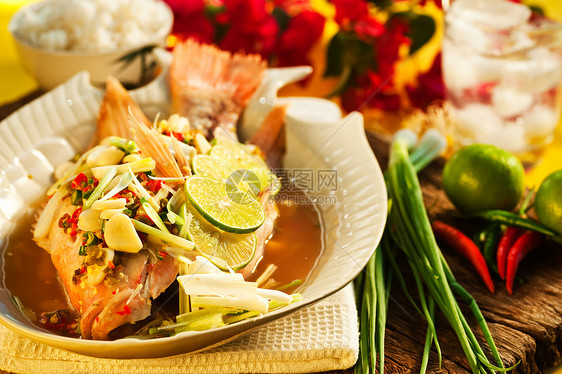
(120, 234)
(202, 145)
(89, 220)
(110, 156)
(108, 213)
(94, 154)
(132, 158)
(142, 165)
(109, 204)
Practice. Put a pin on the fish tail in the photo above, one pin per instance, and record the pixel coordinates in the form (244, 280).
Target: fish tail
(210, 87)
(149, 142)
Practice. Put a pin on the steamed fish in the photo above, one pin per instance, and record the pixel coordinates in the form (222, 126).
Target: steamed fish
(119, 225)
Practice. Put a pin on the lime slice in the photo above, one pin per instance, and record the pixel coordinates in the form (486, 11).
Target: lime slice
(213, 202)
(225, 250)
(241, 157)
(211, 167)
(243, 185)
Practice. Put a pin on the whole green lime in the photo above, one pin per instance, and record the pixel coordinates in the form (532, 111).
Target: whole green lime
(480, 177)
(548, 201)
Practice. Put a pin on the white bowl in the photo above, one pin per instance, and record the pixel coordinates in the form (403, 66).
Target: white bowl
(60, 123)
(53, 67)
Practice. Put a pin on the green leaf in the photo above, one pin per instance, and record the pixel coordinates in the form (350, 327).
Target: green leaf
(211, 11)
(422, 28)
(282, 19)
(335, 56)
(381, 4)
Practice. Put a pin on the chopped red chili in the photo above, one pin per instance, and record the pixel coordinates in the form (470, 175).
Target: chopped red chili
(70, 223)
(154, 185)
(178, 135)
(82, 183)
(125, 311)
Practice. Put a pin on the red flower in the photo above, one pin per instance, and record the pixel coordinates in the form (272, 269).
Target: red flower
(388, 44)
(368, 27)
(370, 90)
(190, 20)
(250, 27)
(303, 31)
(353, 15)
(350, 11)
(430, 86)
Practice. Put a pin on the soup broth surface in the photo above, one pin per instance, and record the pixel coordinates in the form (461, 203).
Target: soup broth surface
(294, 248)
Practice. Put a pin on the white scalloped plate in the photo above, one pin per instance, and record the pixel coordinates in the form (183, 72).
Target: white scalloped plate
(60, 124)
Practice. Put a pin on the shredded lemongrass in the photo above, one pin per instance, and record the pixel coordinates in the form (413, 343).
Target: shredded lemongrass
(161, 194)
(296, 282)
(135, 293)
(172, 179)
(233, 318)
(153, 215)
(137, 186)
(243, 301)
(266, 275)
(274, 304)
(96, 193)
(171, 239)
(124, 181)
(184, 232)
(181, 254)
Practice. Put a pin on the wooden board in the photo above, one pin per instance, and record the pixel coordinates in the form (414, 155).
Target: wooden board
(526, 326)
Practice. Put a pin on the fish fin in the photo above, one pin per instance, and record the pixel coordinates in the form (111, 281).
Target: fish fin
(113, 116)
(210, 87)
(149, 142)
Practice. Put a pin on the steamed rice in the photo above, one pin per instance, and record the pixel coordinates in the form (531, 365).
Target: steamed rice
(92, 25)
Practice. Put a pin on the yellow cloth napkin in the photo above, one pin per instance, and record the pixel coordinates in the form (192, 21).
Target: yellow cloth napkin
(321, 337)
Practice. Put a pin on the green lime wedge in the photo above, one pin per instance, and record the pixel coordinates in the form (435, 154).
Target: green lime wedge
(225, 250)
(211, 167)
(221, 208)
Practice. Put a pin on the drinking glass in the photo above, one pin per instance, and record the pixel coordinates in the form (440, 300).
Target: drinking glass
(502, 67)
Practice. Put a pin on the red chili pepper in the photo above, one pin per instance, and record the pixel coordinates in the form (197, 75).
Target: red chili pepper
(466, 247)
(79, 182)
(111, 265)
(528, 241)
(126, 310)
(82, 183)
(507, 241)
(154, 185)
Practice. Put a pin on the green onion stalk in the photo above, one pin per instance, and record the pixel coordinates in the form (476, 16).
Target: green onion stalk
(409, 232)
